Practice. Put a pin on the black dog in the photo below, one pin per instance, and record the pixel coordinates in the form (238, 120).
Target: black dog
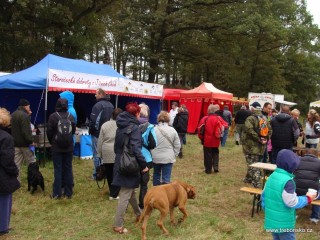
(35, 177)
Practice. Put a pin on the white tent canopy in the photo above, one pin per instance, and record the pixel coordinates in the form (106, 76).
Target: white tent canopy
(3, 73)
(315, 104)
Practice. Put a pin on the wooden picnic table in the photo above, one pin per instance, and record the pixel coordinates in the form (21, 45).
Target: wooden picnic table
(265, 167)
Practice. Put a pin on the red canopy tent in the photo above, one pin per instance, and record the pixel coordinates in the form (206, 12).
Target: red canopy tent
(170, 95)
(198, 99)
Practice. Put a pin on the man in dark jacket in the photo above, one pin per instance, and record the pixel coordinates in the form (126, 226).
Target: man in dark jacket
(61, 155)
(101, 113)
(22, 134)
(307, 176)
(285, 131)
(180, 124)
(239, 120)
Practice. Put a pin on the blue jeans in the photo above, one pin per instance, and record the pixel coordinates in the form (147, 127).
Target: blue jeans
(5, 211)
(274, 155)
(275, 152)
(224, 137)
(62, 163)
(181, 137)
(184, 140)
(315, 212)
(96, 160)
(164, 170)
(284, 236)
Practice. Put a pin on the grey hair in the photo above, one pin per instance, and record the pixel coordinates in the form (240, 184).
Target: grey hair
(145, 111)
(213, 108)
(4, 117)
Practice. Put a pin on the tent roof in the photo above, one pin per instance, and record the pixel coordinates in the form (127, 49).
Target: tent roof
(3, 73)
(172, 94)
(35, 77)
(206, 90)
(59, 74)
(315, 104)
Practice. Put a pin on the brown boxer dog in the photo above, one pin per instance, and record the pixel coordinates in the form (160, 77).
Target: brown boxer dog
(165, 198)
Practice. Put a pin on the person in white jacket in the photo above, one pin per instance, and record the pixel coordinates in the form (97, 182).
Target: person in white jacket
(164, 155)
(173, 112)
(312, 129)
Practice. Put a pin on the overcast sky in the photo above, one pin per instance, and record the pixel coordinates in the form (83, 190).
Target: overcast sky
(313, 6)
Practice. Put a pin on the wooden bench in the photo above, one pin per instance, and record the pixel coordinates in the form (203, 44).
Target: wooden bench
(316, 202)
(256, 197)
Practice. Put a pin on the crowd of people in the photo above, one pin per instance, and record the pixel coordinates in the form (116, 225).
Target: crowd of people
(284, 192)
(264, 134)
(110, 128)
(267, 135)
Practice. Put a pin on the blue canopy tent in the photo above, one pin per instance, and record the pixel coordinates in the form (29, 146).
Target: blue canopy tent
(54, 73)
(42, 83)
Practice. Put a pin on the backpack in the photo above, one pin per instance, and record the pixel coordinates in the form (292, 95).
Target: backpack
(64, 136)
(263, 129)
(221, 125)
(201, 130)
(146, 136)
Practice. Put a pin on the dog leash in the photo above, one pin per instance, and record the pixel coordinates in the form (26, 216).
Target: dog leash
(104, 182)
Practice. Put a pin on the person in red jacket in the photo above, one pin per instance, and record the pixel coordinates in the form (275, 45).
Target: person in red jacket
(210, 141)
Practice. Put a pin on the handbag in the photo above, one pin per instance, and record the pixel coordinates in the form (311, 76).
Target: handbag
(128, 163)
(101, 172)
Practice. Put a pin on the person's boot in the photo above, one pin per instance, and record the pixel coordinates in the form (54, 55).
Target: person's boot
(180, 154)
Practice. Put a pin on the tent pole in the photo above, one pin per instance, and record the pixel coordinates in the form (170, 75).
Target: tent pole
(45, 119)
(117, 101)
(45, 127)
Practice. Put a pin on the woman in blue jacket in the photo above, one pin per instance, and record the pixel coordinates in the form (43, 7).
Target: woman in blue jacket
(149, 142)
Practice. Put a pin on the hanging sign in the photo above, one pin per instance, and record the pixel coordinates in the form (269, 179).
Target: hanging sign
(59, 79)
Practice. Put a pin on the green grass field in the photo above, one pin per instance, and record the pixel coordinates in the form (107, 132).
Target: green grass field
(220, 210)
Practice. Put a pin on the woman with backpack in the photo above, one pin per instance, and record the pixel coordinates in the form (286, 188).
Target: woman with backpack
(61, 127)
(128, 137)
(210, 131)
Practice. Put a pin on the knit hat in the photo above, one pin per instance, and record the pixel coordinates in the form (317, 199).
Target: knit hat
(256, 105)
(24, 102)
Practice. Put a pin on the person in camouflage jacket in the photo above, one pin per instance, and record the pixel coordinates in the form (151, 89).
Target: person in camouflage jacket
(254, 146)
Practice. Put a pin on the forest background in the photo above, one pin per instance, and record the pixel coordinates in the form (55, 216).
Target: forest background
(240, 46)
